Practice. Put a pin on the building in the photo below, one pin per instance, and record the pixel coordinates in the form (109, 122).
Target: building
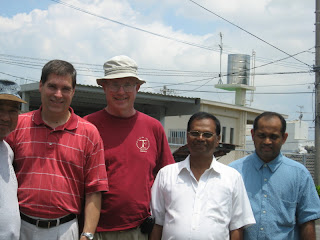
(233, 119)
(297, 141)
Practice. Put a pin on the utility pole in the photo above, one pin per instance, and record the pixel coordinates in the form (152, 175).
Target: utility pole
(316, 69)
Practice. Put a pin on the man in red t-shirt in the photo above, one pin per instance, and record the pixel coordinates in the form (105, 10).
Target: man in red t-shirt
(136, 148)
(59, 162)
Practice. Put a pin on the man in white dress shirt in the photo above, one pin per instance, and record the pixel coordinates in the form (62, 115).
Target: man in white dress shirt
(200, 198)
(10, 102)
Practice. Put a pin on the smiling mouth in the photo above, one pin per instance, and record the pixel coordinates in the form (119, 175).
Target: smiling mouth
(267, 149)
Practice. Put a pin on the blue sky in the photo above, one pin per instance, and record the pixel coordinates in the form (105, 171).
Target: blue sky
(11, 8)
(33, 32)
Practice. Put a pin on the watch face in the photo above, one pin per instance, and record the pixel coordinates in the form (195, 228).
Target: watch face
(87, 235)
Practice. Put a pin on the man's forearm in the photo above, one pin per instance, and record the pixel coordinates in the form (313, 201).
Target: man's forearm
(91, 212)
(308, 231)
(236, 234)
(156, 233)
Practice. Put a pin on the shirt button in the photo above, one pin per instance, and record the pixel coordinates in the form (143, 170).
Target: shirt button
(264, 165)
(261, 229)
(265, 195)
(264, 211)
(265, 179)
(50, 144)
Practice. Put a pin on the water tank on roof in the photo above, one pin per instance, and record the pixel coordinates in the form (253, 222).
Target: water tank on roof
(238, 69)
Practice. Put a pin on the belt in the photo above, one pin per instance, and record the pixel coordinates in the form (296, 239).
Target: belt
(48, 223)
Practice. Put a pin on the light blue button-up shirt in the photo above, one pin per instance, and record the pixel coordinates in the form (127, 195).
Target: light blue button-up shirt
(282, 196)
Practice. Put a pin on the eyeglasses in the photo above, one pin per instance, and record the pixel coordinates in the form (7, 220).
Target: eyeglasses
(114, 87)
(204, 134)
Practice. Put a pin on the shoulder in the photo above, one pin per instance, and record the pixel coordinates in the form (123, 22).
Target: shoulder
(171, 168)
(26, 116)
(227, 171)
(290, 163)
(91, 117)
(150, 123)
(88, 130)
(240, 162)
(149, 119)
(85, 125)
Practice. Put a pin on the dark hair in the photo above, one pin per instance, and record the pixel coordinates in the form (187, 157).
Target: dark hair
(204, 115)
(269, 115)
(59, 67)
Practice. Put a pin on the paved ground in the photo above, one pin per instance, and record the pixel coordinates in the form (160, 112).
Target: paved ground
(318, 229)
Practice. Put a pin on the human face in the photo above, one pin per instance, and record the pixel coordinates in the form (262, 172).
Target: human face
(56, 94)
(202, 146)
(9, 111)
(121, 102)
(268, 138)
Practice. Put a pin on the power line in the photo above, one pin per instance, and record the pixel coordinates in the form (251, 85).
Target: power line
(292, 56)
(171, 38)
(135, 28)
(37, 63)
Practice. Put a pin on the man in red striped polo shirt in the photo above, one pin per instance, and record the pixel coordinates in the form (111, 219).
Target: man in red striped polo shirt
(59, 162)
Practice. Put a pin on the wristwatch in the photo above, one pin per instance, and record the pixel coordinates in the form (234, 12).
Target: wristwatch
(87, 235)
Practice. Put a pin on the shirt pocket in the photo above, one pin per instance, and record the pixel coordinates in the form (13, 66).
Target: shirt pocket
(286, 213)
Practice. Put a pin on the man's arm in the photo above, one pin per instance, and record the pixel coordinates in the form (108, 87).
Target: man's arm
(308, 231)
(156, 233)
(91, 212)
(236, 234)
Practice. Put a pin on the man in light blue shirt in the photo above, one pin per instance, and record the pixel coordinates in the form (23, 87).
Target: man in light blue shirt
(282, 193)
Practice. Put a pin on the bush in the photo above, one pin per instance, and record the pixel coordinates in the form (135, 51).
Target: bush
(318, 190)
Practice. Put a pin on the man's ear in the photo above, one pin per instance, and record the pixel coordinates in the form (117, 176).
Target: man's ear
(284, 138)
(40, 86)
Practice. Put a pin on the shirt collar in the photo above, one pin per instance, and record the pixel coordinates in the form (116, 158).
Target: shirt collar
(273, 165)
(214, 166)
(71, 124)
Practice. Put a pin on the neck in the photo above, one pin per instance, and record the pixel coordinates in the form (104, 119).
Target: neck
(53, 120)
(199, 165)
(119, 113)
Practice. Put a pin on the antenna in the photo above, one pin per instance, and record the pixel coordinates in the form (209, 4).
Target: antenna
(301, 113)
(253, 67)
(167, 91)
(221, 47)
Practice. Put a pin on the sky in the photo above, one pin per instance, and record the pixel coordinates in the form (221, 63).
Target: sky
(176, 44)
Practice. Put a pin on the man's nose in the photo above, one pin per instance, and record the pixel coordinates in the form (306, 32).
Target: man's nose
(4, 115)
(58, 93)
(267, 141)
(121, 89)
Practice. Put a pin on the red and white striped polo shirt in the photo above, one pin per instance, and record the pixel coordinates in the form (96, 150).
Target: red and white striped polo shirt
(56, 167)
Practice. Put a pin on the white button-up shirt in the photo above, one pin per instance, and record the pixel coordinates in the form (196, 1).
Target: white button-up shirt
(204, 209)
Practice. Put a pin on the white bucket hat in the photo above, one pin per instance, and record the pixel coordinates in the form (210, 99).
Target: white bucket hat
(120, 67)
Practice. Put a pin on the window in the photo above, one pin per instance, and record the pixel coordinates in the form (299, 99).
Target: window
(231, 135)
(224, 131)
(177, 136)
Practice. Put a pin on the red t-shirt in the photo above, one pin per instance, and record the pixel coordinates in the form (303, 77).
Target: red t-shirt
(135, 150)
(55, 168)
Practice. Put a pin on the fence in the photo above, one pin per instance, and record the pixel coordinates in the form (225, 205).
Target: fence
(308, 160)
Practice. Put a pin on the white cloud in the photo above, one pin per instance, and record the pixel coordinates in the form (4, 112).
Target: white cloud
(65, 33)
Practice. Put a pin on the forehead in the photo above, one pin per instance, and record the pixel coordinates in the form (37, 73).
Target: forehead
(205, 124)
(130, 80)
(9, 103)
(269, 124)
(55, 79)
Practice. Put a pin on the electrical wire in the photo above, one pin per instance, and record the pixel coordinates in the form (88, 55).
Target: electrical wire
(237, 26)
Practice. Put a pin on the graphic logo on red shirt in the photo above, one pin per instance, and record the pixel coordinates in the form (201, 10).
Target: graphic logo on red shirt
(143, 144)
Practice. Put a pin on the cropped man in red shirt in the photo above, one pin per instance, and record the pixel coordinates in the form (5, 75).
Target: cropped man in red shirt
(59, 162)
(136, 148)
